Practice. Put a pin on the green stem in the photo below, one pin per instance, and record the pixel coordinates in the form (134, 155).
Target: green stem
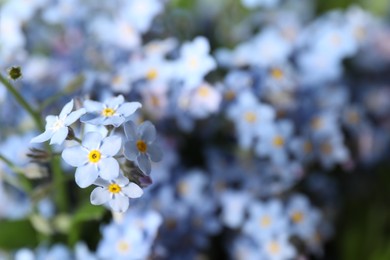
(23, 182)
(34, 114)
(58, 176)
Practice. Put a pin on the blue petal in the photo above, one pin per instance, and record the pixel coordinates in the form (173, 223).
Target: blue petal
(111, 145)
(119, 203)
(108, 168)
(86, 175)
(114, 102)
(92, 140)
(59, 136)
(132, 190)
(130, 130)
(147, 131)
(128, 108)
(100, 196)
(66, 110)
(144, 163)
(72, 117)
(75, 156)
(131, 150)
(42, 137)
(155, 152)
(93, 106)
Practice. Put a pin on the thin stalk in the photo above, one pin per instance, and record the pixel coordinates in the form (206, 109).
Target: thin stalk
(58, 176)
(34, 114)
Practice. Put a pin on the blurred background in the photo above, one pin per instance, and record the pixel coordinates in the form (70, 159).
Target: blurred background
(322, 67)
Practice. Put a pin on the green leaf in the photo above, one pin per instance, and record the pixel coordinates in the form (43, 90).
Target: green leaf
(16, 234)
(85, 219)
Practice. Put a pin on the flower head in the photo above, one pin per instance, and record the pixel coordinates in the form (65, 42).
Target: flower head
(94, 158)
(116, 192)
(57, 126)
(113, 111)
(140, 146)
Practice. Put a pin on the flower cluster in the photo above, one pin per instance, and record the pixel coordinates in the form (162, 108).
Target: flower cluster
(259, 116)
(97, 158)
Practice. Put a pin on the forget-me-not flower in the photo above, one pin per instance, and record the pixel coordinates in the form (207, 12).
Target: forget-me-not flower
(94, 158)
(113, 111)
(116, 192)
(57, 126)
(140, 145)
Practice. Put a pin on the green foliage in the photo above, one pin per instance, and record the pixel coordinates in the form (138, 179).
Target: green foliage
(366, 219)
(85, 220)
(15, 234)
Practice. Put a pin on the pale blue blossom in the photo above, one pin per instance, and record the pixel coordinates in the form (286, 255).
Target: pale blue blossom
(140, 146)
(194, 62)
(57, 126)
(115, 192)
(114, 111)
(278, 247)
(94, 158)
(265, 220)
(305, 218)
(252, 118)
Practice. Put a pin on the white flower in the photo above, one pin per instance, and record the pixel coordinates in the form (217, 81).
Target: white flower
(94, 158)
(116, 192)
(57, 126)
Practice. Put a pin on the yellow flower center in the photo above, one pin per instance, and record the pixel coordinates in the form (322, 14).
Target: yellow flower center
(278, 141)
(117, 80)
(297, 217)
(193, 62)
(353, 117)
(152, 74)
(114, 188)
(107, 112)
(274, 247)
(123, 246)
(265, 221)
(307, 147)
(203, 91)
(183, 188)
(250, 117)
(326, 148)
(316, 123)
(154, 101)
(142, 146)
(94, 156)
(277, 73)
(230, 95)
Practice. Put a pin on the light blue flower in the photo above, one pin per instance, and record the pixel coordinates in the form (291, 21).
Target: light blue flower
(115, 192)
(94, 158)
(305, 218)
(260, 3)
(274, 143)
(140, 145)
(234, 205)
(113, 111)
(57, 126)
(195, 61)
(278, 247)
(123, 242)
(252, 118)
(265, 220)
